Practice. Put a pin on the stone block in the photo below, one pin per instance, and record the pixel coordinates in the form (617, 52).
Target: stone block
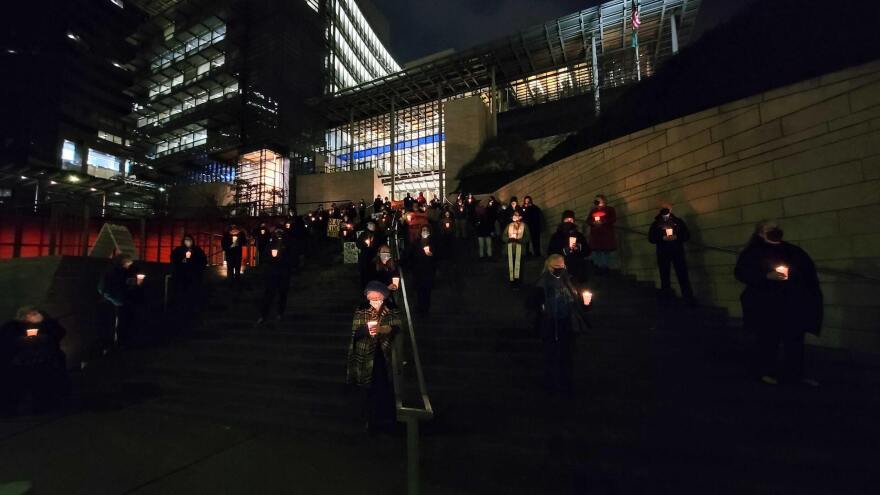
(720, 218)
(814, 226)
(862, 220)
(657, 142)
(850, 293)
(739, 197)
(668, 124)
(753, 137)
(866, 246)
(742, 103)
(814, 180)
(739, 123)
(829, 154)
(827, 248)
(686, 145)
(850, 196)
(798, 87)
(853, 118)
(756, 212)
(774, 108)
(648, 175)
(788, 144)
(850, 73)
(733, 236)
(703, 114)
(825, 111)
(749, 176)
(865, 97)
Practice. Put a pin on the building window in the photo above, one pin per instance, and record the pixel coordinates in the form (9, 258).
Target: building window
(68, 151)
(106, 136)
(103, 160)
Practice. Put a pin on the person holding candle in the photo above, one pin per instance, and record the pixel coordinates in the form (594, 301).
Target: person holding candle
(516, 237)
(277, 281)
(423, 258)
(120, 288)
(261, 240)
(368, 245)
(603, 241)
(373, 330)
(557, 302)
(485, 228)
(31, 361)
(669, 233)
(782, 301)
(385, 271)
(572, 245)
(233, 242)
(188, 263)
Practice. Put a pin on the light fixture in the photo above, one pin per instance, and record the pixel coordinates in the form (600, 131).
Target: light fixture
(116, 193)
(23, 177)
(93, 189)
(73, 178)
(11, 51)
(52, 183)
(72, 36)
(161, 189)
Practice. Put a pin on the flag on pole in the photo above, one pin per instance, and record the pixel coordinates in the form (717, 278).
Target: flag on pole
(636, 22)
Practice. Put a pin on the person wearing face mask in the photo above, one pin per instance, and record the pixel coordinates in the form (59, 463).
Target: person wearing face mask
(121, 290)
(277, 281)
(485, 228)
(782, 301)
(374, 328)
(516, 237)
(188, 263)
(669, 233)
(462, 220)
(385, 270)
(572, 245)
(233, 242)
(368, 246)
(261, 240)
(31, 361)
(557, 302)
(603, 241)
(423, 259)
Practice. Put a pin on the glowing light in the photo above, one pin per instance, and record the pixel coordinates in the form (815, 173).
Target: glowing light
(588, 297)
(23, 177)
(72, 36)
(161, 189)
(73, 178)
(116, 193)
(93, 189)
(52, 183)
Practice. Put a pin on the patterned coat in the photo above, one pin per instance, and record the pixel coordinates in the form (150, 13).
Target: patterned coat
(362, 349)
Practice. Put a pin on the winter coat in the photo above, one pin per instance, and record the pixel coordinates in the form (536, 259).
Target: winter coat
(188, 270)
(795, 305)
(232, 249)
(534, 218)
(44, 349)
(602, 236)
(524, 237)
(362, 348)
(423, 266)
(657, 232)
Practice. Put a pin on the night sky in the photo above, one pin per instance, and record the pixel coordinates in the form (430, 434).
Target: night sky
(423, 27)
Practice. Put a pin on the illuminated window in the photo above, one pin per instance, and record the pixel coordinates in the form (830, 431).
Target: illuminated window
(103, 160)
(68, 151)
(106, 136)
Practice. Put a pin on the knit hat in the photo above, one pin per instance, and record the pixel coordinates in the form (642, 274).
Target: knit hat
(376, 286)
(568, 214)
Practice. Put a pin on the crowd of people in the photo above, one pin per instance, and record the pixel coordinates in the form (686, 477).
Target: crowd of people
(781, 302)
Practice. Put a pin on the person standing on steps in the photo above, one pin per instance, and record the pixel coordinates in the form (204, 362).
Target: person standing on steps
(233, 242)
(572, 245)
(368, 245)
(603, 241)
(277, 276)
(534, 218)
(188, 263)
(373, 330)
(782, 301)
(261, 241)
(516, 237)
(423, 258)
(485, 229)
(556, 300)
(121, 287)
(385, 271)
(669, 233)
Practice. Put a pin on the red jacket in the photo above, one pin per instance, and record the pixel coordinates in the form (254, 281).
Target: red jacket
(602, 235)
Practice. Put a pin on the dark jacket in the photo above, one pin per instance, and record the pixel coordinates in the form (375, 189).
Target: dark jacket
(560, 244)
(279, 266)
(233, 250)
(794, 304)
(188, 269)
(534, 218)
(16, 348)
(555, 301)
(657, 232)
(485, 224)
(423, 266)
(114, 285)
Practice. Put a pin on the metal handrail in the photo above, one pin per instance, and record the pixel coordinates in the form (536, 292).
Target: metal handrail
(734, 252)
(411, 416)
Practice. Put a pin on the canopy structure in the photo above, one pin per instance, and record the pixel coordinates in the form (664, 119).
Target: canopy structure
(563, 42)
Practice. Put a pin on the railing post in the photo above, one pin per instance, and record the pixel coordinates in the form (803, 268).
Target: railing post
(412, 455)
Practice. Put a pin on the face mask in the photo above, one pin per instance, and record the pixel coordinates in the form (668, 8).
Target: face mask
(666, 216)
(557, 272)
(385, 256)
(425, 235)
(513, 205)
(188, 243)
(774, 235)
(371, 227)
(376, 304)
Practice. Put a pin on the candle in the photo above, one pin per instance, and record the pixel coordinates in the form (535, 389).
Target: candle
(782, 269)
(234, 239)
(409, 218)
(427, 250)
(367, 242)
(572, 242)
(448, 225)
(140, 278)
(32, 332)
(597, 218)
(274, 253)
(395, 281)
(668, 232)
(263, 231)
(371, 326)
(588, 297)
(189, 254)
